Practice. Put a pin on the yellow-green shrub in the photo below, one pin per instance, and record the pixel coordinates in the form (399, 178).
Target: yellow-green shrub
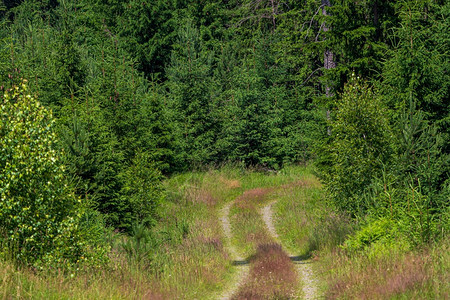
(39, 213)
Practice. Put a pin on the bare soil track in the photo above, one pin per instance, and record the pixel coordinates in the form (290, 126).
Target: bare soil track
(241, 264)
(304, 268)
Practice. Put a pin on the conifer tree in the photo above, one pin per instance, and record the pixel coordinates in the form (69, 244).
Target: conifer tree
(191, 95)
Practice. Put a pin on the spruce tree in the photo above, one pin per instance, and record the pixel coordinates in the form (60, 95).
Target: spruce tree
(192, 94)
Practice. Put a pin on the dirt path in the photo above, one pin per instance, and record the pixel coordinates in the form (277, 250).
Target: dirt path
(266, 213)
(241, 265)
(304, 268)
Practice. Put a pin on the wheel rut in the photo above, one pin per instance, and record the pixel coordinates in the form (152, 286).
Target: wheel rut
(303, 267)
(240, 263)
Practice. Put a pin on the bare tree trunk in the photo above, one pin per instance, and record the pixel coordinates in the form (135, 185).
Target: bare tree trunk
(376, 20)
(328, 59)
(273, 14)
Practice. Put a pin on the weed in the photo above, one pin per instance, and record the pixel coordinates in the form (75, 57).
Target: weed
(139, 245)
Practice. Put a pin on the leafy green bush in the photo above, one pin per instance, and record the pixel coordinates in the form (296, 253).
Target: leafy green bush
(378, 237)
(39, 213)
(361, 141)
(369, 234)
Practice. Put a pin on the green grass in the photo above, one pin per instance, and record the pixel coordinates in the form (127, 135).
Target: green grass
(295, 210)
(188, 258)
(249, 230)
(272, 274)
(394, 273)
(388, 270)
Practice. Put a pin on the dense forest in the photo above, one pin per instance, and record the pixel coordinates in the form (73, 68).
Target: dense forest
(104, 101)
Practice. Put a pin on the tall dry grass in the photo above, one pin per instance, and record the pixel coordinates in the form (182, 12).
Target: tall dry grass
(413, 274)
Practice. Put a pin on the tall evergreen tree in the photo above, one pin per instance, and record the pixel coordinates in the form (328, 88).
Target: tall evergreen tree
(191, 94)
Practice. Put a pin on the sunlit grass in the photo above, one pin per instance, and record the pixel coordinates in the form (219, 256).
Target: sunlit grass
(248, 228)
(295, 211)
(391, 274)
(189, 259)
(272, 273)
(309, 228)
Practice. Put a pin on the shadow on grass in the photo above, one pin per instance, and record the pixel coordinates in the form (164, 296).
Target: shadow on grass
(301, 259)
(298, 260)
(240, 262)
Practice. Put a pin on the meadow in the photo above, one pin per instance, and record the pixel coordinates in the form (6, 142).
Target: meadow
(187, 255)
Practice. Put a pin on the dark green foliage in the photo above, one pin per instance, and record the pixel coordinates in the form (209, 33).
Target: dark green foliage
(358, 37)
(388, 170)
(105, 113)
(140, 88)
(417, 69)
(4, 53)
(192, 92)
(142, 189)
(94, 159)
(394, 165)
(149, 29)
(255, 118)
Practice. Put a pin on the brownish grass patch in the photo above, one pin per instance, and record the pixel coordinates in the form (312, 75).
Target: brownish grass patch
(251, 197)
(256, 194)
(200, 195)
(258, 236)
(272, 275)
(230, 183)
(384, 278)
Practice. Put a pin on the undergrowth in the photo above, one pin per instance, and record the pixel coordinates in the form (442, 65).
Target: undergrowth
(371, 258)
(182, 255)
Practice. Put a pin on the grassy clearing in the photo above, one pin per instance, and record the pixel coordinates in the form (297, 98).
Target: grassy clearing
(297, 208)
(272, 273)
(185, 257)
(249, 230)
